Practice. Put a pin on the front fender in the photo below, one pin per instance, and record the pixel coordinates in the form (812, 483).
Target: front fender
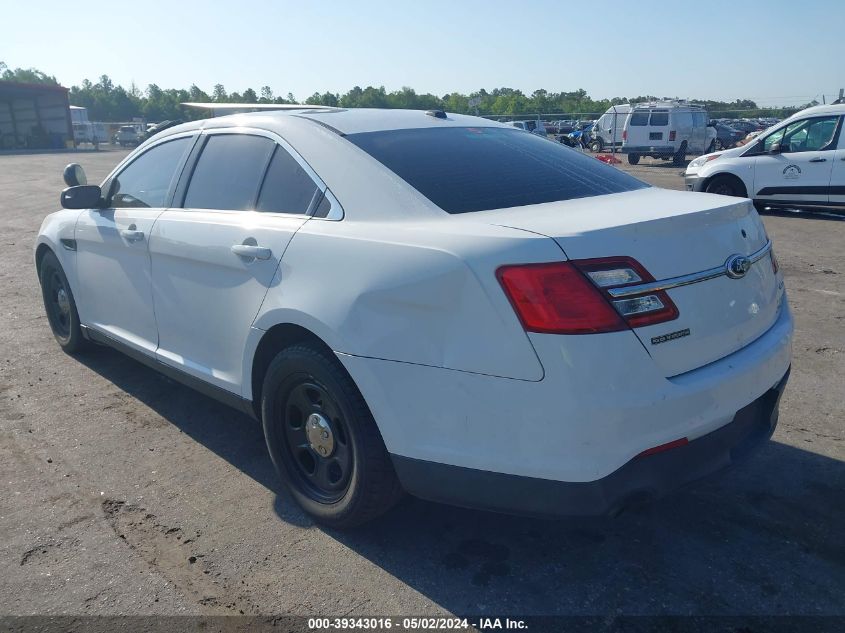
(57, 233)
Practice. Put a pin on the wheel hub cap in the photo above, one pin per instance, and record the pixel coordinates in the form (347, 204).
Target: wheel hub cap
(62, 301)
(319, 435)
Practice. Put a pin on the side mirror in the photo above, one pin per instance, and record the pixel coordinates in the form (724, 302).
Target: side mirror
(776, 148)
(74, 175)
(81, 197)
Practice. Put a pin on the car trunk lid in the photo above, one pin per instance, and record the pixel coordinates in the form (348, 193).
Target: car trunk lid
(672, 234)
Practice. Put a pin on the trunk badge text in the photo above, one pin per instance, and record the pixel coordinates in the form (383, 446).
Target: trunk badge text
(656, 340)
(737, 266)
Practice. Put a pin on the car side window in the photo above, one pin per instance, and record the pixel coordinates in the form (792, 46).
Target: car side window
(287, 187)
(228, 172)
(810, 135)
(773, 139)
(146, 181)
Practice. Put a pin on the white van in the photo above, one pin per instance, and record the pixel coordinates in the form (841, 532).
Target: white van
(667, 130)
(799, 162)
(607, 132)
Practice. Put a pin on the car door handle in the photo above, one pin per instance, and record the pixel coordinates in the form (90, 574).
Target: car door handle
(132, 235)
(251, 251)
(818, 160)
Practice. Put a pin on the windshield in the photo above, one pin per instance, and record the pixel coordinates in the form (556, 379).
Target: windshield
(465, 169)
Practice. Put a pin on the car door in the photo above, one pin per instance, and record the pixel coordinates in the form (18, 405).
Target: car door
(214, 258)
(113, 261)
(794, 163)
(837, 175)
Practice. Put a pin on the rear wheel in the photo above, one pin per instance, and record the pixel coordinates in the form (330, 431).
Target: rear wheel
(726, 185)
(60, 305)
(633, 158)
(680, 156)
(719, 145)
(323, 439)
(596, 145)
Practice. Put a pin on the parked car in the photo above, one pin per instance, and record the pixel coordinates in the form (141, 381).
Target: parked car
(607, 132)
(430, 302)
(667, 130)
(127, 136)
(726, 136)
(533, 126)
(745, 126)
(798, 163)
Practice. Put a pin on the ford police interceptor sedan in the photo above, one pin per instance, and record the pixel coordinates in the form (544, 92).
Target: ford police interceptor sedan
(431, 303)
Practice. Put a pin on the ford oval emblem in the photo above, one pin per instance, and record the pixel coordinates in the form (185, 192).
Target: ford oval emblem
(737, 266)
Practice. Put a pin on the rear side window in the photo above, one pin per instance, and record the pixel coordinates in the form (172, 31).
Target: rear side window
(146, 181)
(464, 169)
(659, 119)
(287, 186)
(229, 172)
(639, 119)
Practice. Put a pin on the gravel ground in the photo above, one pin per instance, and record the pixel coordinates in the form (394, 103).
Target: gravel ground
(126, 493)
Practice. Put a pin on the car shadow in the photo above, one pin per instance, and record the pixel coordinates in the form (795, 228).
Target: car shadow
(762, 538)
(806, 213)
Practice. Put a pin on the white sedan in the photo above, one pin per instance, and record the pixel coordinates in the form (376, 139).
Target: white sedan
(432, 303)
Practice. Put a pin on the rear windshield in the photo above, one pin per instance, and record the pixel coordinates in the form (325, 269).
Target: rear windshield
(660, 118)
(464, 169)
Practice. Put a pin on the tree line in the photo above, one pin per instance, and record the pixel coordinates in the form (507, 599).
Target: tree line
(109, 102)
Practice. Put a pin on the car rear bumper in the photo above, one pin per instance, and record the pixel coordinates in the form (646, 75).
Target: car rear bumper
(600, 404)
(641, 479)
(661, 150)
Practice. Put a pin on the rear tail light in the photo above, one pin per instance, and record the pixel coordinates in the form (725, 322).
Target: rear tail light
(624, 135)
(572, 297)
(672, 135)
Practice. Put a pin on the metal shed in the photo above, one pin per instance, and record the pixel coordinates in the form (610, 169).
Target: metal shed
(34, 116)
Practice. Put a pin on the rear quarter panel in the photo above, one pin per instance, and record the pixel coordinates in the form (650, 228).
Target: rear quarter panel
(415, 292)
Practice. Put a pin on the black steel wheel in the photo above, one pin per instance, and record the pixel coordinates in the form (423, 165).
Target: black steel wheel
(60, 306)
(633, 159)
(323, 439)
(316, 440)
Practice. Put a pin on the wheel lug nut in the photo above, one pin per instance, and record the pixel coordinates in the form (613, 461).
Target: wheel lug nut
(325, 435)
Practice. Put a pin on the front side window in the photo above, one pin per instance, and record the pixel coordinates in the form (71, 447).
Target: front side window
(287, 186)
(146, 181)
(229, 172)
(773, 139)
(465, 169)
(809, 135)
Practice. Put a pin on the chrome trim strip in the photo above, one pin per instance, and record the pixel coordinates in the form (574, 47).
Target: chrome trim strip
(684, 280)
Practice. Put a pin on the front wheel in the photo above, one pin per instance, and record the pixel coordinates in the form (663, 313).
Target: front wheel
(323, 439)
(727, 186)
(595, 146)
(60, 306)
(633, 158)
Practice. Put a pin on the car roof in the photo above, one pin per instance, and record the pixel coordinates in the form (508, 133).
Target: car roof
(836, 108)
(341, 120)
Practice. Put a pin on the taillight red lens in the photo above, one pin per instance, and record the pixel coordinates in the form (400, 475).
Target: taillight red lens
(572, 297)
(556, 298)
(624, 135)
(672, 135)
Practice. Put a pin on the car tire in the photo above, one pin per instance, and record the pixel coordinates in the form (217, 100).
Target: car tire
(60, 306)
(596, 146)
(712, 148)
(718, 145)
(680, 156)
(323, 440)
(726, 185)
(633, 159)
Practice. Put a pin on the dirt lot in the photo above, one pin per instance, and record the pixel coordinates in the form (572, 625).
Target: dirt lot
(125, 493)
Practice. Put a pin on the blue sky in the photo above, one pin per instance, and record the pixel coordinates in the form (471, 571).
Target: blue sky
(775, 52)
